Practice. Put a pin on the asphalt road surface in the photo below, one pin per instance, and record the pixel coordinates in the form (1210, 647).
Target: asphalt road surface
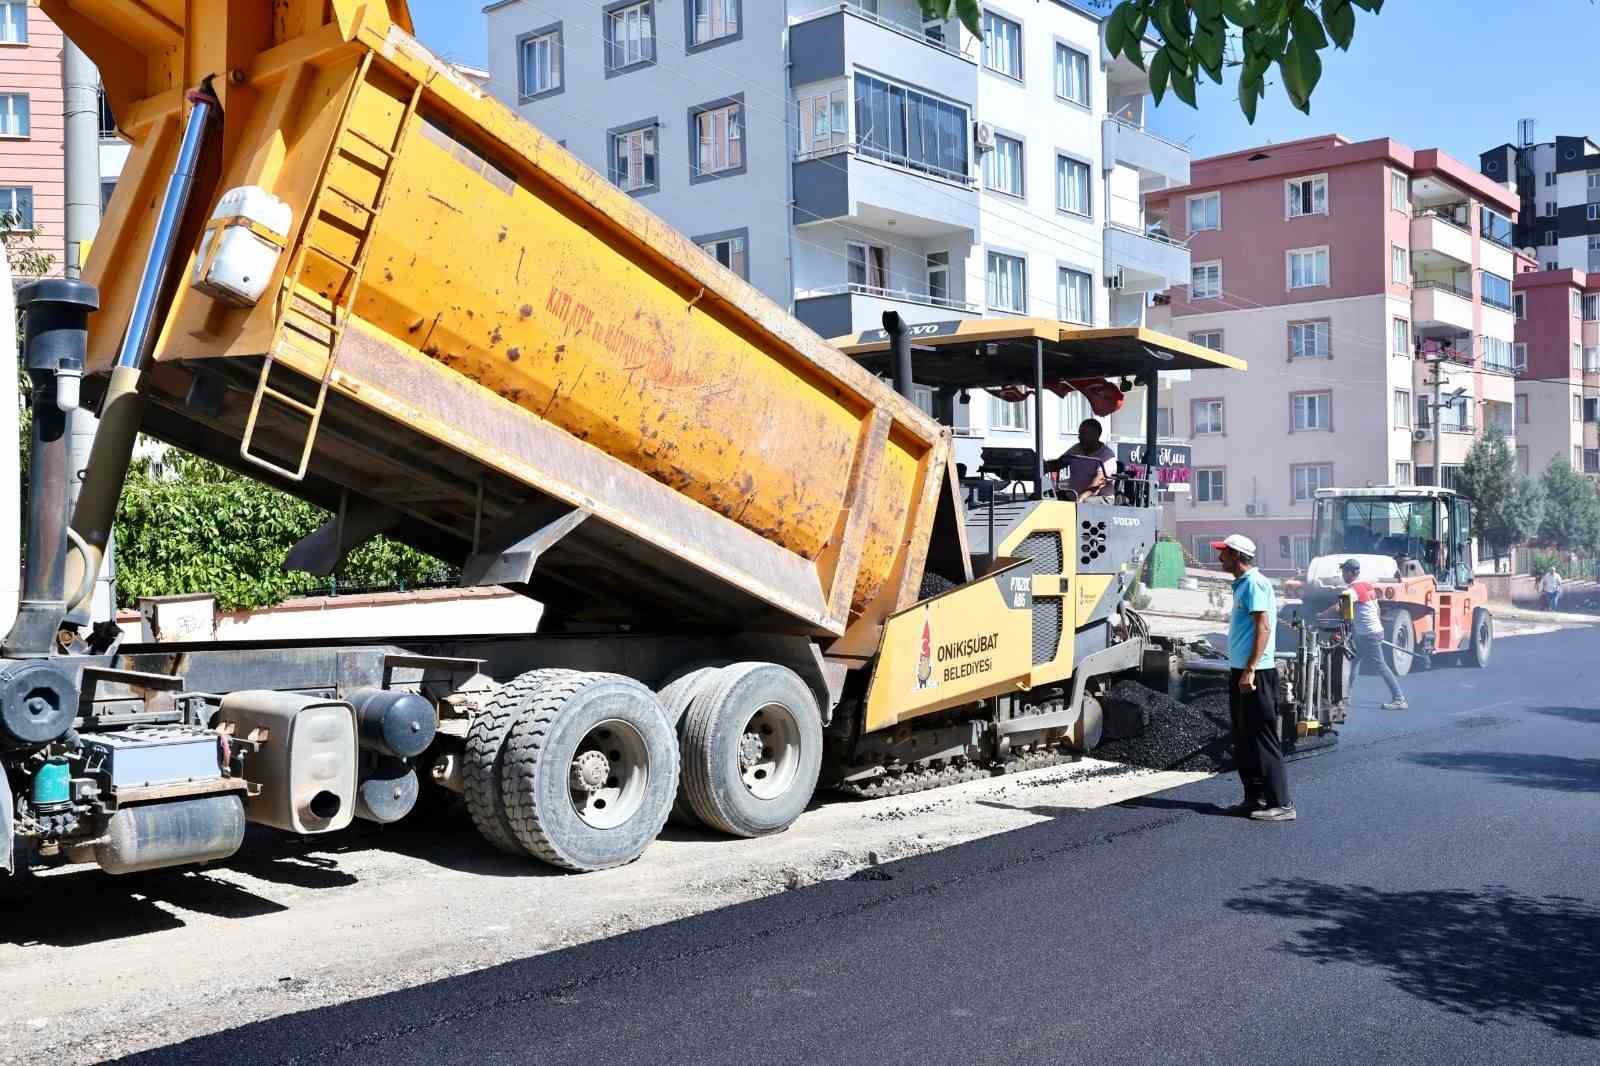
(1438, 902)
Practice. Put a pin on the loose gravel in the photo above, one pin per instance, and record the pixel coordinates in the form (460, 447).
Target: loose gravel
(1189, 736)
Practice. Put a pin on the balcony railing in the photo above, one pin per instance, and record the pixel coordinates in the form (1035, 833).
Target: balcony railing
(1450, 287)
(900, 295)
(1135, 127)
(881, 155)
(1457, 352)
(1154, 235)
(1446, 213)
(917, 33)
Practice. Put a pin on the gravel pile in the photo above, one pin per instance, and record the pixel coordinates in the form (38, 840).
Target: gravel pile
(1180, 736)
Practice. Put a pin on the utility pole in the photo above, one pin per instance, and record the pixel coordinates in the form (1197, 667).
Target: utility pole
(82, 146)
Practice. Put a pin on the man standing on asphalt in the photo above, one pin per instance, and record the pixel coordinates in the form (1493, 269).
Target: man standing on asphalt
(1550, 589)
(1367, 628)
(1090, 465)
(1253, 687)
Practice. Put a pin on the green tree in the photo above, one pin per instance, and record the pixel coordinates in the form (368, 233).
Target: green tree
(1571, 520)
(1205, 36)
(201, 528)
(1506, 507)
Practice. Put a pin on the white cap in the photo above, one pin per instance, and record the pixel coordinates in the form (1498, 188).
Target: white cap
(1242, 545)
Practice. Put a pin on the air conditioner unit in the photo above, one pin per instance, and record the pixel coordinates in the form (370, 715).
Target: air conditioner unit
(1256, 507)
(983, 136)
(1420, 435)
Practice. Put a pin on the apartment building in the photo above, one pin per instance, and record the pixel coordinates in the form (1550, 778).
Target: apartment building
(32, 129)
(1558, 386)
(848, 158)
(1557, 184)
(1349, 275)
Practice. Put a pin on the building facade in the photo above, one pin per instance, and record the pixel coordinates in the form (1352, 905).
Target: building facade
(848, 158)
(1557, 184)
(1558, 389)
(1350, 276)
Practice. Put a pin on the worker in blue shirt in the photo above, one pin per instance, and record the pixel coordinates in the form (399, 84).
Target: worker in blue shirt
(1253, 686)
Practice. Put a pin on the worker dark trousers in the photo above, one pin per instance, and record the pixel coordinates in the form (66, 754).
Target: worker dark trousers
(1257, 744)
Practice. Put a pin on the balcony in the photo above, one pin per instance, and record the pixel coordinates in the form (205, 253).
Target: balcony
(841, 310)
(1160, 162)
(1436, 304)
(863, 186)
(1137, 261)
(829, 42)
(1437, 231)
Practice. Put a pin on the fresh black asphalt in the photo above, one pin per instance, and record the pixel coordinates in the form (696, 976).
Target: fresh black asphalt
(1438, 902)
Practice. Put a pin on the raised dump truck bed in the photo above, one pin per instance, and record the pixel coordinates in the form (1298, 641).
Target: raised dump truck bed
(366, 283)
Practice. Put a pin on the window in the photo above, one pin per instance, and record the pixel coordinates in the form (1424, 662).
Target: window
(1007, 415)
(1307, 478)
(1207, 338)
(1493, 226)
(633, 159)
(1577, 409)
(1002, 167)
(1300, 550)
(1008, 282)
(1205, 212)
(1310, 411)
(1591, 306)
(14, 115)
(1308, 268)
(1522, 460)
(16, 203)
(1072, 186)
(1400, 337)
(1402, 408)
(1522, 409)
(1402, 473)
(1591, 460)
(939, 276)
(711, 21)
(1207, 416)
(1594, 242)
(1550, 240)
(1210, 485)
(1072, 410)
(911, 128)
(1497, 355)
(1576, 300)
(14, 22)
(1002, 45)
(1519, 357)
(1591, 409)
(824, 121)
(1549, 207)
(1591, 360)
(1577, 356)
(1519, 304)
(1549, 179)
(630, 36)
(868, 266)
(539, 63)
(1072, 75)
(1307, 196)
(1399, 192)
(717, 146)
(1205, 281)
(1592, 212)
(1399, 265)
(1495, 289)
(108, 121)
(1309, 340)
(727, 249)
(1593, 177)
(1424, 414)
(1163, 421)
(1074, 295)
(1203, 553)
(108, 186)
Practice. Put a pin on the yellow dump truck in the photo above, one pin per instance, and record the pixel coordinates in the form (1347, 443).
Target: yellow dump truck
(336, 266)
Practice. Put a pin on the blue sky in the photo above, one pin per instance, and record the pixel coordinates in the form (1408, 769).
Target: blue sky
(1451, 74)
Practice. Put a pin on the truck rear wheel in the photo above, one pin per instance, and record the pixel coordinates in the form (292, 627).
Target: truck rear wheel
(752, 750)
(484, 756)
(676, 697)
(590, 771)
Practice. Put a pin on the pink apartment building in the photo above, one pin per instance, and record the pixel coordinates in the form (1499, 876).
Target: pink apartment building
(1558, 392)
(1345, 273)
(32, 181)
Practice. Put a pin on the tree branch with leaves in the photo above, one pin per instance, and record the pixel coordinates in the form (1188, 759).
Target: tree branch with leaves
(1195, 37)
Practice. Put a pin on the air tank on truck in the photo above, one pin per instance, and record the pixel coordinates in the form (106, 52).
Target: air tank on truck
(334, 265)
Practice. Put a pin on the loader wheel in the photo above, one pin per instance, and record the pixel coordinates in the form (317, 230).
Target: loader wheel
(676, 697)
(752, 749)
(1477, 654)
(590, 771)
(484, 755)
(1402, 634)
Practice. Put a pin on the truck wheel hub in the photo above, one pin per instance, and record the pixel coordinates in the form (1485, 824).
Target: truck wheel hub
(751, 750)
(590, 769)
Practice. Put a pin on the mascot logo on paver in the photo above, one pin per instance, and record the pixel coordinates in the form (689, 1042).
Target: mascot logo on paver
(925, 659)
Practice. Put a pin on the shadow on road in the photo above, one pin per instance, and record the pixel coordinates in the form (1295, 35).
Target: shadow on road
(1493, 956)
(1586, 715)
(1156, 803)
(1559, 773)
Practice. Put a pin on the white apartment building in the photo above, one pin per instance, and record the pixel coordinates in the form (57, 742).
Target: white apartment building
(848, 159)
(1558, 183)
